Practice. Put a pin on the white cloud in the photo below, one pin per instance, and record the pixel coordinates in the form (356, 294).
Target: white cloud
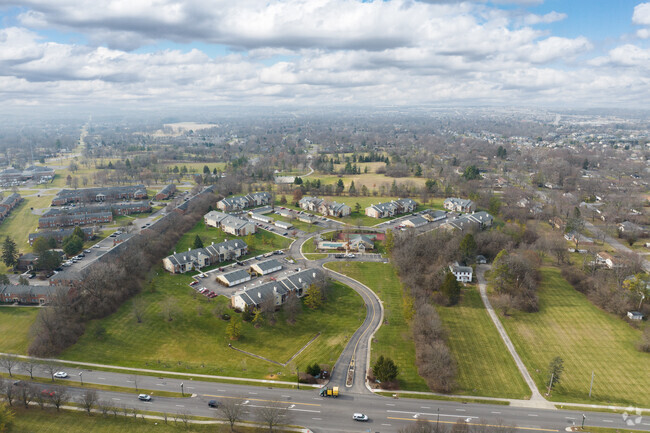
(641, 14)
(551, 17)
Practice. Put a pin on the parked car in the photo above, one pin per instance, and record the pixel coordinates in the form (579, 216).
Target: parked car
(96, 246)
(87, 251)
(360, 417)
(48, 393)
(213, 403)
(194, 283)
(61, 375)
(144, 397)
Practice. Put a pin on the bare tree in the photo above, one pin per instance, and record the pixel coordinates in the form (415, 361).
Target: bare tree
(8, 362)
(26, 393)
(500, 426)
(135, 382)
(292, 308)
(51, 368)
(420, 426)
(273, 414)
(185, 418)
(8, 390)
(60, 397)
(138, 309)
(28, 367)
(40, 398)
(169, 309)
(232, 410)
(104, 407)
(89, 400)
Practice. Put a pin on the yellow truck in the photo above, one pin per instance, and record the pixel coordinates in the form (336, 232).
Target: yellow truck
(330, 392)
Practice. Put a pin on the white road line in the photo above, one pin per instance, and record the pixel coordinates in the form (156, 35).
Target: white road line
(161, 384)
(318, 419)
(496, 413)
(251, 392)
(101, 378)
(532, 414)
(390, 404)
(461, 410)
(422, 413)
(286, 396)
(179, 405)
(388, 425)
(221, 390)
(305, 410)
(607, 420)
(189, 387)
(425, 407)
(569, 417)
(116, 399)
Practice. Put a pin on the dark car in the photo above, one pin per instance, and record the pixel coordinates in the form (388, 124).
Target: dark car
(213, 403)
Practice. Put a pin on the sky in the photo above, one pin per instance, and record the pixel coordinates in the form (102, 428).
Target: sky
(149, 54)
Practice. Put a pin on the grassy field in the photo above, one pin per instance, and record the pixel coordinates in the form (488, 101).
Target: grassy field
(37, 420)
(485, 367)
(587, 339)
(373, 181)
(21, 221)
(15, 323)
(394, 338)
(297, 224)
(195, 340)
(261, 242)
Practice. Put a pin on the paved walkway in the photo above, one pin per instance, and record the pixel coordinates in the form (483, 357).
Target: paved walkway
(536, 400)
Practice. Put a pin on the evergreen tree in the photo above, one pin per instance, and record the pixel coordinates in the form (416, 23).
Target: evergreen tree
(352, 189)
(206, 169)
(468, 247)
(471, 173)
(385, 369)
(340, 186)
(555, 369)
(9, 252)
(418, 170)
(451, 288)
(198, 243)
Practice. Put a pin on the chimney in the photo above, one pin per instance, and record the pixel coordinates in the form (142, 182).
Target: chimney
(259, 295)
(275, 289)
(300, 279)
(313, 274)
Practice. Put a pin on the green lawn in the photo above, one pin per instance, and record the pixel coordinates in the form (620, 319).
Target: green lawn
(587, 339)
(21, 221)
(15, 323)
(394, 338)
(485, 367)
(37, 420)
(196, 341)
(297, 224)
(261, 242)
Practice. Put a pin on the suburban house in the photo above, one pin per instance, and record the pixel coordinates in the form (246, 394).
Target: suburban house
(179, 263)
(229, 223)
(234, 278)
(332, 208)
(628, 227)
(459, 205)
(8, 203)
(475, 221)
(241, 202)
(266, 267)
(166, 192)
(391, 208)
(310, 203)
(275, 291)
(481, 260)
(415, 221)
(463, 274)
(27, 262)
(60, 234)
(578, 238)
(434, 215)
(606, 259)
(31, 295)
(635, 315)
(100, 194)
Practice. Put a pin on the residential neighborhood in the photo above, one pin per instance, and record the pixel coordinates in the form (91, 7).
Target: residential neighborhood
(179, 263)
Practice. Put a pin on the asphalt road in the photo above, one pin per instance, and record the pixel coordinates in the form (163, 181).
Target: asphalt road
(322, 414)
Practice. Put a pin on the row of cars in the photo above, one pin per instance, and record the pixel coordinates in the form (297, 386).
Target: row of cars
(77, 258)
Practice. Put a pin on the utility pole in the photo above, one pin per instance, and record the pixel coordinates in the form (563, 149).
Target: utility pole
(297, 376)
(182, 393)
(438, 421)
(550, 384)
(583, 420)
(592, 383)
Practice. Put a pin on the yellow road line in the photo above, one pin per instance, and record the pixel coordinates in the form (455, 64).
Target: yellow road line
(469, 423)
(259, 399)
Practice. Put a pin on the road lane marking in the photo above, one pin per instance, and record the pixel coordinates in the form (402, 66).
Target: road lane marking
(116, 399)
(461, 410)
(251, 392)
(469, 423)
(318, 419)
(496, 413)
(295, 409)
(425, 414)
(161, 384)
(286, 396)
(569, 417)
(532, 414)
(425, 407)
(179, 405)
(390, 404)
(259, 399)
(101, 378)
(607, 420)
(221, 390)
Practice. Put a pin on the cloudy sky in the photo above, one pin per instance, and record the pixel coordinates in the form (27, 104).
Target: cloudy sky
(193, 53)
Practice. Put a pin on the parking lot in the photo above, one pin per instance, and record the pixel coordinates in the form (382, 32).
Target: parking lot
(209, 282)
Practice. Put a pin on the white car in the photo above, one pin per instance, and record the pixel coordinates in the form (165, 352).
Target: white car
(61, 375)
(360, 417)
(144, 397)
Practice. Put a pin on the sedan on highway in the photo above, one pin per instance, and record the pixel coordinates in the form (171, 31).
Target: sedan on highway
(213, 403)
(144, 397)
(61, 375)
(360, 417)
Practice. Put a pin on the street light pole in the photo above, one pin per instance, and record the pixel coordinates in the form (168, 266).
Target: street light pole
(298, 376)
(583, 420)
(182, 393)
(438, 421)
(81, 378)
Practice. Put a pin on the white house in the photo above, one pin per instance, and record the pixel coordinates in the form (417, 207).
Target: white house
(634, 315)
(463, 274)
(459, 204)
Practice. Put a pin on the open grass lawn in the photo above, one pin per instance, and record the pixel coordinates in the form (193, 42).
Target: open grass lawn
(36, 420)
(373, 181)
(587, 339)
(394, 338)
(195, 340)
(262, 242)
(485, 367)
(15, 323)
(297, 224)
(21, 221)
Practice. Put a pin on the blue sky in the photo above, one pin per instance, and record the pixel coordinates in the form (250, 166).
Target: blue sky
(325, 52)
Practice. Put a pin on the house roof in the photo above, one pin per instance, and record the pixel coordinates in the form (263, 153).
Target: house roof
(417, 220)
(258, 294)
(268, 265)
(459, 201)
(239, 274)
(456, 268)
(24, 290)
